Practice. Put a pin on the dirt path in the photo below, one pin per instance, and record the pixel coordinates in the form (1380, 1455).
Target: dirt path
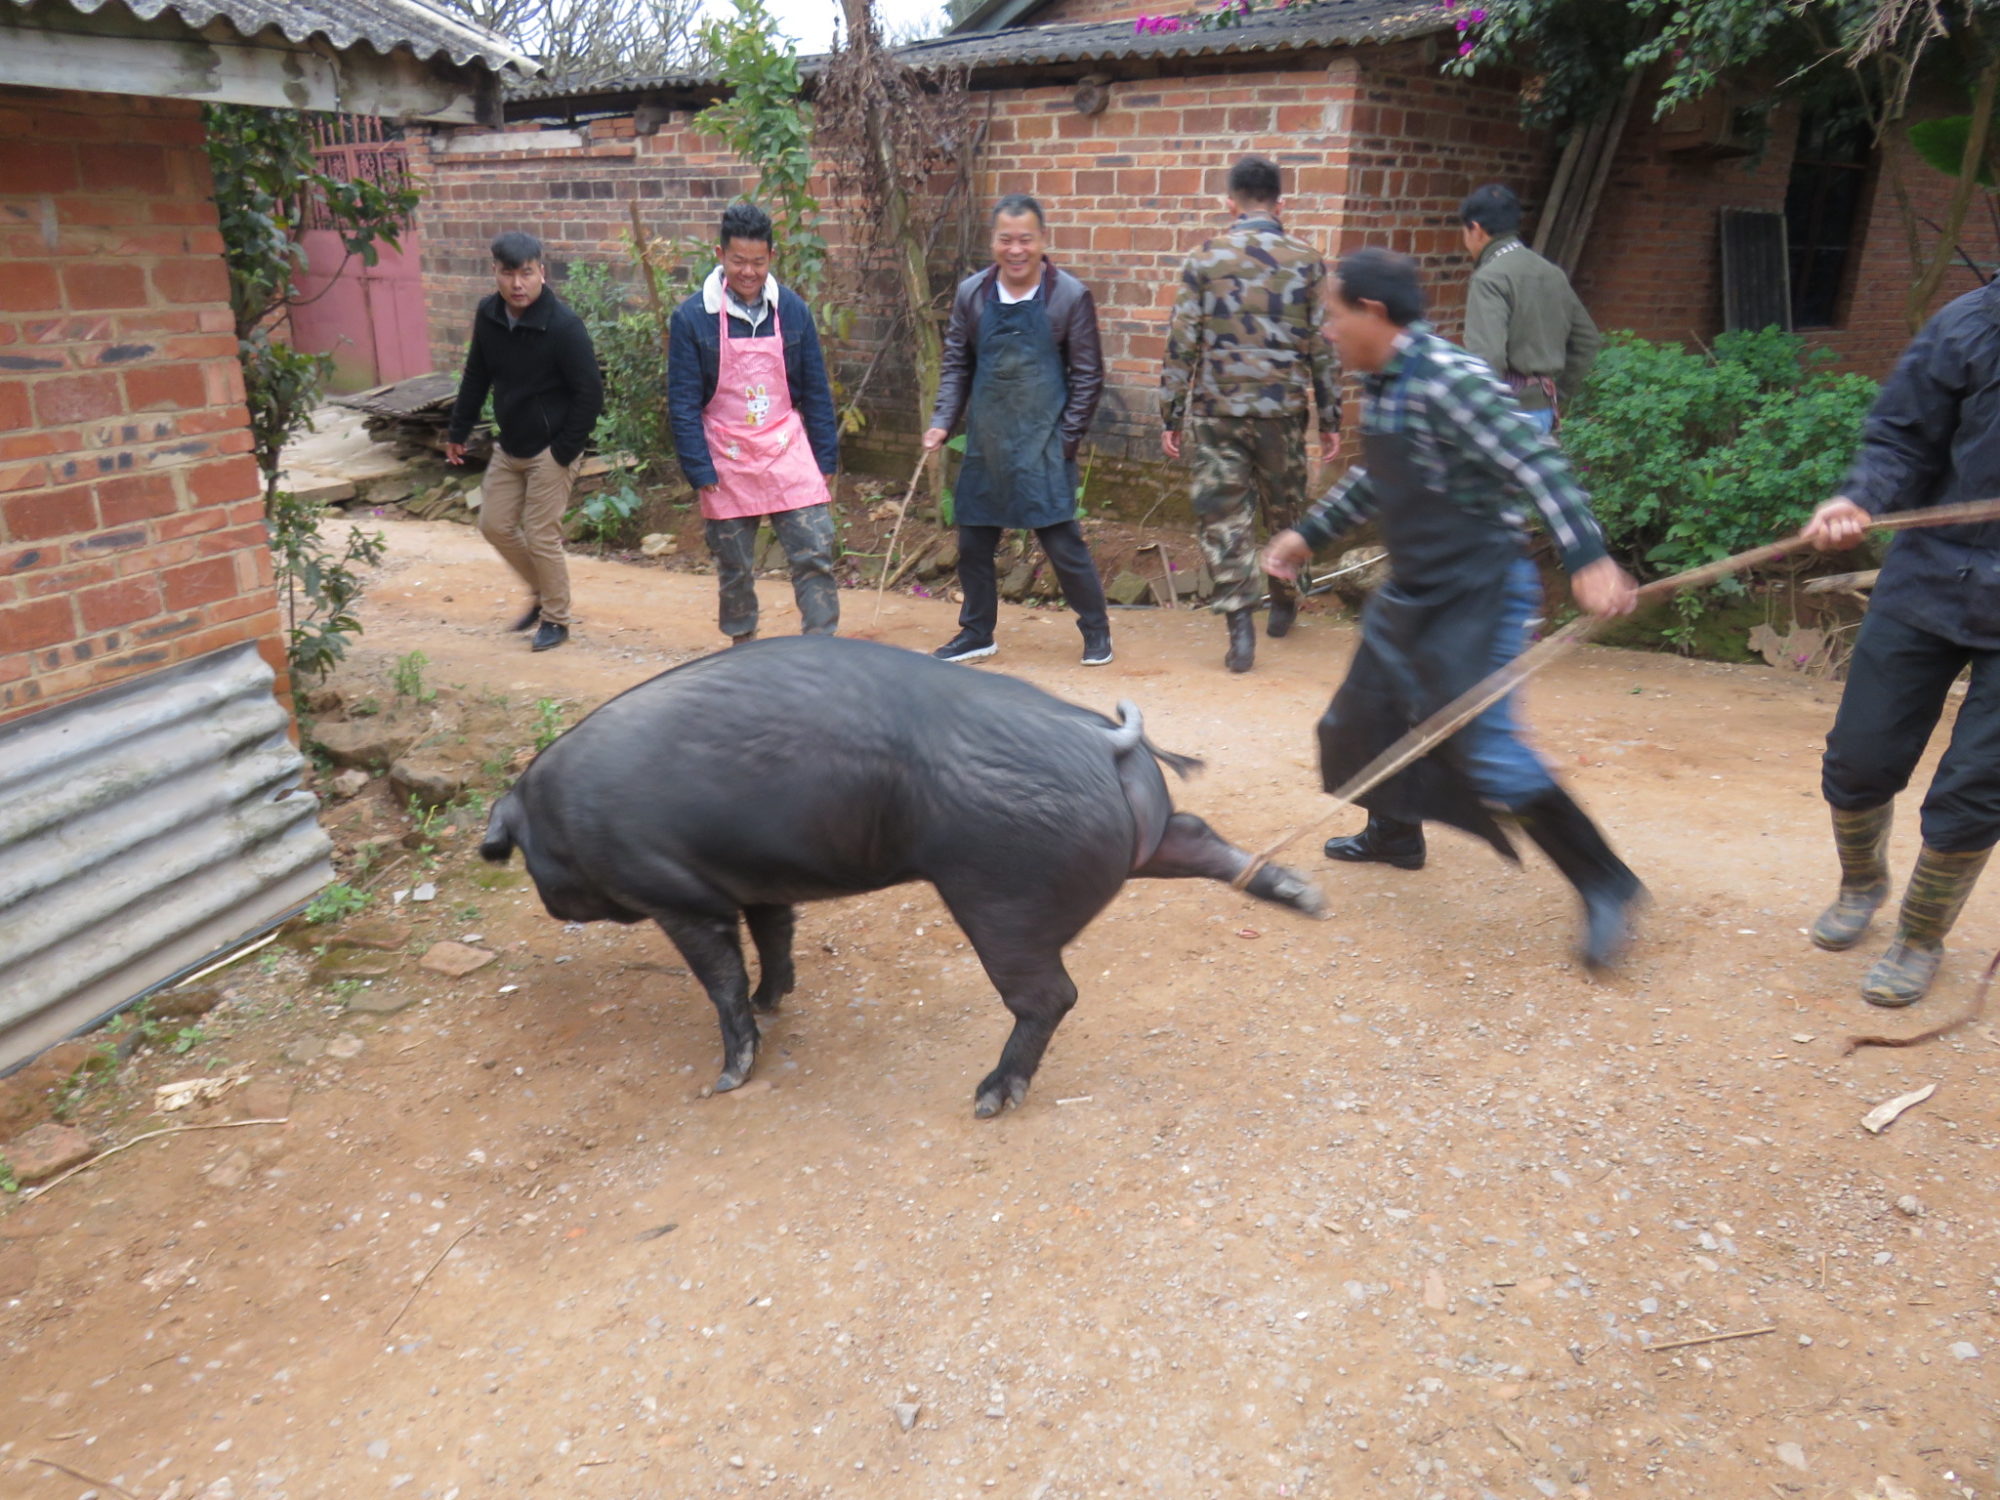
(1389, 1205)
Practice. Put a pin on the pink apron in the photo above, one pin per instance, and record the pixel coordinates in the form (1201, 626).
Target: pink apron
(763, 460)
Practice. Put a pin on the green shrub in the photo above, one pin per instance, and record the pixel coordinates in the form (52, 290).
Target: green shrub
(1690, 456)
(635, 368)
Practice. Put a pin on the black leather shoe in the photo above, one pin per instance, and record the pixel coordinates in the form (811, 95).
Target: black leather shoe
(550, 635)
(1385, 841)
(1278, 623)
(531, 619)
(1242, 640)
(967, 645)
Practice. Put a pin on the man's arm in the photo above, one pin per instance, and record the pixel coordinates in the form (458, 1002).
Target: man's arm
(1321, 359)
(1579, 351)
(812, 394)
(1906, 442)
(1183, 350)
(1487, 311)
(472, 388)
(1350, 502)
(576, 363)
(684, 401)
(1086, 373)
(1477, 417)
(955, 366)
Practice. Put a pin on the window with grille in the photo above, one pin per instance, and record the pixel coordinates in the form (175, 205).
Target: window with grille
(1825, 212)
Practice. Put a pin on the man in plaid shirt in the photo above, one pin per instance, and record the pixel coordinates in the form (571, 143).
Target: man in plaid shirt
(1450, 467)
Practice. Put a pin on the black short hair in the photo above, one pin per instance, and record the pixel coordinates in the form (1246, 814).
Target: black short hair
(1494, 208)
(515, 249)
(1373, 274)
(745, 221)
(1019, 203)
(1255, 180)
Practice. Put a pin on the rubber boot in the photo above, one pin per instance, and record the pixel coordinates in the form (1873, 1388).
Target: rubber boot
(1284, 612)
(1609, 889)
(1862, 841)
(1386, 841)
(1242, 640)
(1933, 899)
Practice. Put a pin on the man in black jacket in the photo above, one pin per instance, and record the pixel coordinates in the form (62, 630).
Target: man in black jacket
(1022, 366)
(535, 355)
(1933, 438)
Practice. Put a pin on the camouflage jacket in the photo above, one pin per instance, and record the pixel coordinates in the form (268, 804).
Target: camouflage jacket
(1245, 339)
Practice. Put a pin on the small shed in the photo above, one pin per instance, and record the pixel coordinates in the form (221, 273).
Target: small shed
(149, 810)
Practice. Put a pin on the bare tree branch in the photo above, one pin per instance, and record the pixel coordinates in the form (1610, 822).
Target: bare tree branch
(590, 41)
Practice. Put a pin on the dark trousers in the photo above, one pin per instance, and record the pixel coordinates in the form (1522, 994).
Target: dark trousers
(1068, 554)
(1896, 688)
(806, 534)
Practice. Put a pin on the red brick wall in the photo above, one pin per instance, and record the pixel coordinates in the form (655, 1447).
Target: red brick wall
(575, 199)
(1653, 262)
(1374, 146)
(131, 520)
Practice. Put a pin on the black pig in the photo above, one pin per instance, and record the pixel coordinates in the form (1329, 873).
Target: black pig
(809, 767)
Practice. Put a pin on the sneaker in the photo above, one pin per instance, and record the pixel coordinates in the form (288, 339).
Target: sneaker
(966, 646)
(531, 619)
(1096, 647)
(550, 635)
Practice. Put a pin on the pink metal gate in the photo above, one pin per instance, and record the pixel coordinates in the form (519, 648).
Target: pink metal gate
(369, 318)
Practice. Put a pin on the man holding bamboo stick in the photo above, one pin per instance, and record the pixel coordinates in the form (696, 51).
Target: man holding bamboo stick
(1933, 438)
(1448, 470)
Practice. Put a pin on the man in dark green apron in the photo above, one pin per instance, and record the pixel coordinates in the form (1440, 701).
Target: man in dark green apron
(1022, 366)
(1448, 462)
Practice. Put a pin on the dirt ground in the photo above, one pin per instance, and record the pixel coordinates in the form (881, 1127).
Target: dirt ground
(1395, 1204)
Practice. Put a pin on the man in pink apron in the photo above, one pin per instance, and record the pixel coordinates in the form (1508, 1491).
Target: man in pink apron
(754, 428)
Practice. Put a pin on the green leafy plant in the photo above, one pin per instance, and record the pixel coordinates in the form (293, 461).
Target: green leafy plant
(607, 515)
(267, 184)
(9, 1182)
(335, 902)
(186, 1039)
(408, 677)
(633, 429)
(766, 122)
(548, 722)
(1691, 456)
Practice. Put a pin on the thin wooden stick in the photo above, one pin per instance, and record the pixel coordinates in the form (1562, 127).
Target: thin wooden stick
(1972, 1012)
(1482, 695)
(421, 1280)
(1713, 1338)
(151, 1135)
(902, 510)
(79, 1475)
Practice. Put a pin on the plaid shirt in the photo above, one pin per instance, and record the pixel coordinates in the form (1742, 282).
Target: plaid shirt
(1473, 443)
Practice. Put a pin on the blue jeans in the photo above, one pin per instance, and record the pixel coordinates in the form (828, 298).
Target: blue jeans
(1501, 767)
(1544, 419)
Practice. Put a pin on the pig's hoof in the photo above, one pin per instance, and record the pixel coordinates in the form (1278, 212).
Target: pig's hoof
(765, 1000)
(1289, 888)
(738, 1070)
(996, 1093)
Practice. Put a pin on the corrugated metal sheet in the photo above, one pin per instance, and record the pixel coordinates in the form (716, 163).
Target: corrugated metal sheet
(386, 25)
(142, 830)
(1303, 27)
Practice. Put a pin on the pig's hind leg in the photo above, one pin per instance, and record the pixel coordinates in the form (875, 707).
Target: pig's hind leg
(771, 929)
(1019, 939)
(1191, 849)
(714, 953)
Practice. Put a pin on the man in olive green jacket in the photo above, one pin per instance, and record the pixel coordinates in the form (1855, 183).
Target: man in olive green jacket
(1521, 315)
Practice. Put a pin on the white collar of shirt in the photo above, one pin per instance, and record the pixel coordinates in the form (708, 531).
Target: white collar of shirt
(715, 288)
(1000, 285)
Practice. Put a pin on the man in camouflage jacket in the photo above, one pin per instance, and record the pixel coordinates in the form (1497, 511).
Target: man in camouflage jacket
(1246, 358)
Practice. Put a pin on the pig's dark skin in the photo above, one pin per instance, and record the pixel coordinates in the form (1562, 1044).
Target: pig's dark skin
(810, 767)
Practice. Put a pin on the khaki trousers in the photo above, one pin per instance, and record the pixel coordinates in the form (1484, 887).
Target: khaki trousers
(520, 513)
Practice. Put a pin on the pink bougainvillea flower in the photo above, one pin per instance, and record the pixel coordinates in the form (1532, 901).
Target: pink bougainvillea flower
(1465, 49)
(1461, 24)
(1476, 17)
